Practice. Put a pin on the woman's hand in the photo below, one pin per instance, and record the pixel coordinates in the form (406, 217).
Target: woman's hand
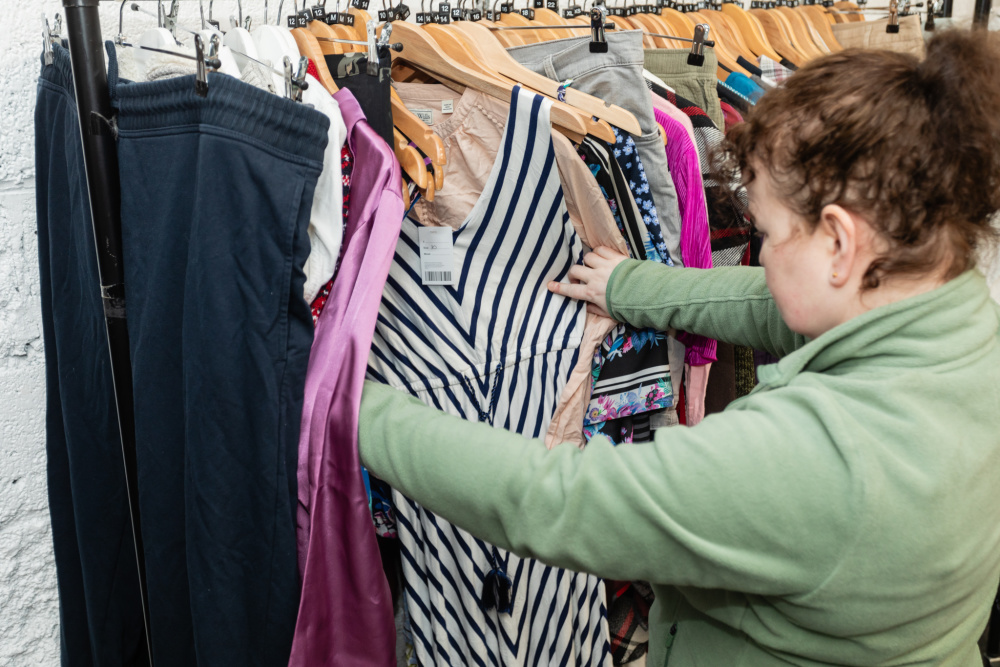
(590, 280)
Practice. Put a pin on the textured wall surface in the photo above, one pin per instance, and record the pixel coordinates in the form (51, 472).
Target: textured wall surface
(28, 601)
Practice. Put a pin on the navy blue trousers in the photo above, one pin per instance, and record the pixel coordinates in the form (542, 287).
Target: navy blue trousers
(216, 200)
(99, 605)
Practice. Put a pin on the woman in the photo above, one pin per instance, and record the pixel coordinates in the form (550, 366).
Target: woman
(847, 512)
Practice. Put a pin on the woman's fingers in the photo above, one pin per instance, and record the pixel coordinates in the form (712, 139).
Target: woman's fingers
(608, 253)
(597, 310)
(579, 273)
(571, 290)
(592, 259)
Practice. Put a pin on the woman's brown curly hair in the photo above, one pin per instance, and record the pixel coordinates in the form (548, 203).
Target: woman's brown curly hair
(912, 146)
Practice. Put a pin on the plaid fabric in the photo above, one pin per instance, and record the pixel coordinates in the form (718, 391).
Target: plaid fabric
(628, 619)
(774, 70)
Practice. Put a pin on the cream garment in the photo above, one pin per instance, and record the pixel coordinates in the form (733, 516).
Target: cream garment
(872, 35)
(326, 224)
(471, 125)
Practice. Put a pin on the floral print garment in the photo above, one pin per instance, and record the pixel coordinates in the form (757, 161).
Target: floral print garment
(627, 157)
(631, 370)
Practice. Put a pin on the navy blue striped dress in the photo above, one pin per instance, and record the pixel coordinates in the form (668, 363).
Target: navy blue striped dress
(493, 346)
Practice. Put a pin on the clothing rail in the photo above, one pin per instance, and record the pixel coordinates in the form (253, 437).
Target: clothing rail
(86, 47)
(100, 157)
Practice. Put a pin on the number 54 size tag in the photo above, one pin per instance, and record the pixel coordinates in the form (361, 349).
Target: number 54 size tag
(437, 256)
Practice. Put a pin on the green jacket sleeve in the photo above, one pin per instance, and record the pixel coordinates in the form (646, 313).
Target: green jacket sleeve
(739, 502)
(730, 304)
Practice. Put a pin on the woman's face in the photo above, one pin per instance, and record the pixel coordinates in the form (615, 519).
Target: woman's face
(796, 261)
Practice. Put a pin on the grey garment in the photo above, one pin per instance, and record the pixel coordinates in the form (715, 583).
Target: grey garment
(696, 83)
(616, 77)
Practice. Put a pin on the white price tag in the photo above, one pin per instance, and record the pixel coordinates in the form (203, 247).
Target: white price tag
(447, 106)
(437, 256)
(426, 115)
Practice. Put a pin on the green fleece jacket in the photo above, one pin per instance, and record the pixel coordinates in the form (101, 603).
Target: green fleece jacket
(846, 512)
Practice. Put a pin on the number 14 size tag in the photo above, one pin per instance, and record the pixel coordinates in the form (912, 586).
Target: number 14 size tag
(437, 256)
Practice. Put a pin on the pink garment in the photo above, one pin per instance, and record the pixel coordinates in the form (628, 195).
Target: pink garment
(345, 614)
(666, 107)
(695, 388)
(682, 158)
(732, 116)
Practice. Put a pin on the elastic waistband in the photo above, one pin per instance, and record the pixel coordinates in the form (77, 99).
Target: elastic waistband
(60, 72)
(673, 62)
(231, 105)
(572, 55)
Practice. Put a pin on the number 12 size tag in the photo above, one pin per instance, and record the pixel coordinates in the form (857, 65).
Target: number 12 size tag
(437, 256)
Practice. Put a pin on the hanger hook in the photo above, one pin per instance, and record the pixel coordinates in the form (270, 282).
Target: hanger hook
(121, 22)
(281, 5)
(495, 7)
(239, 9)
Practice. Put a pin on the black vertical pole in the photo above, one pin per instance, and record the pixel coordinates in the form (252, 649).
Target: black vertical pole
(100, 155)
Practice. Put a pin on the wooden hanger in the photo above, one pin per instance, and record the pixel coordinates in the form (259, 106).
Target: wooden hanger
(310, 48)
(420, 49)
(508, 38)
(410, 160)
(806, 48)
(417, 131)
(361, 19)
(405, 193)
(777, 36)
(662, 27)
(723, 53)
(801, 36)
(850, 7)
(545, 16)
(459, 46)
(731, 35)
(819, 19)
(748, 28)
(529, 36)
(682, 24)
(647, 25)
(482, 44)
(323, 34)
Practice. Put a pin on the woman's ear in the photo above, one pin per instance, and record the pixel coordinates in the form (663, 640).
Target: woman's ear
(842, 234)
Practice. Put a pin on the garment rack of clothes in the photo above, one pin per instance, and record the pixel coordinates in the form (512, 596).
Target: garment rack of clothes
(86, 47)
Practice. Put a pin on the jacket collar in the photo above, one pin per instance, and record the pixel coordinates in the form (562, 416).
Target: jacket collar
(938, 327)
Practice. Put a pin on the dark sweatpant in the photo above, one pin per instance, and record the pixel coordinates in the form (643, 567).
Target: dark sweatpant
(99, 606)
(216, 200)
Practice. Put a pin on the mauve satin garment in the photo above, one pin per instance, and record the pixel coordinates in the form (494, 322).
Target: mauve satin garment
(345, 615)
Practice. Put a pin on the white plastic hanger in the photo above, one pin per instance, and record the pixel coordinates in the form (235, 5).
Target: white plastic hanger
(226, 56)
(157, 38)
(240, 42)
(273, 45)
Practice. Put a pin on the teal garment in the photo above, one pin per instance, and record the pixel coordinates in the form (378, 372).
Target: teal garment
(745, 86)
(846, 512)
